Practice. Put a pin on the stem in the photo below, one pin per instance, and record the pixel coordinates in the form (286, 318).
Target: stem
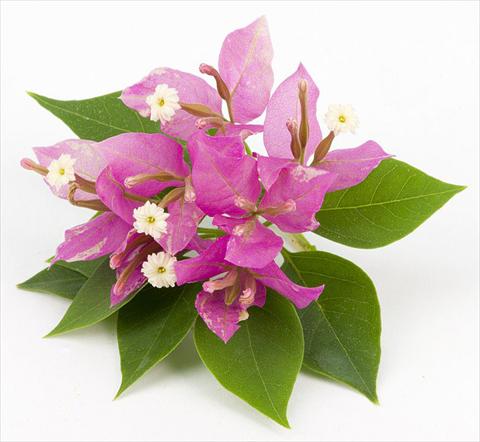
(230, 110)
(297, 242)
(247, 148)
(294, 242)
(210, 233)
(301, 160)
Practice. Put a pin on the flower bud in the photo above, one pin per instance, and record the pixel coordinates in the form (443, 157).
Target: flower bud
(144, 177)
(295, 146)
(221, 86)
(118, 258)
(86, 185)
(303, 131)
(172, 196)
(207, 69)
(322, 149)
(250, 288)
(243, 203)
(190, 195)
(29, 164)
(287, 207)
(201, 123)
(89, 204)
(243, 316)
(232, 292)
(199, 110)
(210, 122)
(221, 283)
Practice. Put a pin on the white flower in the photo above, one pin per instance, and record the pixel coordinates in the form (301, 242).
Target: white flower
(163, 103)
(150, 219)
(60, 171)
(341, 118)
(159, 269)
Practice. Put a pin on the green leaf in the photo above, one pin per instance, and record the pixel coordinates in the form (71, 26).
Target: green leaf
(97, 118)
(57, 280)
(85, 268)
(151, 326)
(342, 329)
(92, 302)
(392, 202)
(261, 361)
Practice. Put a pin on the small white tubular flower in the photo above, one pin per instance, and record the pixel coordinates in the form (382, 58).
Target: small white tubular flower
(163, 103)
(341, 118)
(60, 171)
(159, 269)
(150, 219)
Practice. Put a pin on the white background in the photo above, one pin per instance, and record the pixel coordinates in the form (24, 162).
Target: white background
(410, 69)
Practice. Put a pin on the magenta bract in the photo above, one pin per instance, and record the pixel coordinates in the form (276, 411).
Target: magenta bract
(222, 314)
(172, 181)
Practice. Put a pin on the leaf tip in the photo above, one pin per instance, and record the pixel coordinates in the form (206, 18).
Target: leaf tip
(372, 397)
(124, 385)
(283, 421)
(52, 333)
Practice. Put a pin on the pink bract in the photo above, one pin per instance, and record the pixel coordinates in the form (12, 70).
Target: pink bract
(245, 64)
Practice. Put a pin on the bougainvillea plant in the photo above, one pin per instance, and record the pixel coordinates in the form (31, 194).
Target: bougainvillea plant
(193, 228)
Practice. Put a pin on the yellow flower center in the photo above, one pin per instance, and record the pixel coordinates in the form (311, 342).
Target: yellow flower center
(342, 118)
(150, 219)
(161, 102)
(162, 270)
(61, 171)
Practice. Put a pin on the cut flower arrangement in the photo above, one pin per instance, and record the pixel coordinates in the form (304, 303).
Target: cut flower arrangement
(192, 228)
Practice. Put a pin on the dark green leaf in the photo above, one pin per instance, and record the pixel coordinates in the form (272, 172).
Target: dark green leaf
(261, 361)
(392, 202)
(85, 268)
(92, 302)
(151, 326)
(97, 118)
(342, 329)
(57, 280)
